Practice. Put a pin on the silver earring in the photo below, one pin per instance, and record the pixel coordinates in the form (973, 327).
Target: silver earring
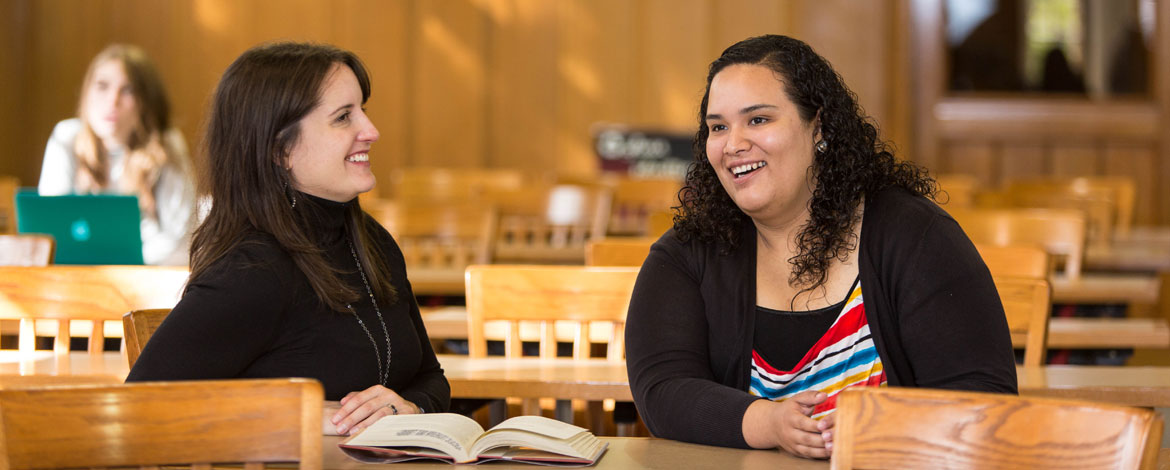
(821, 146)
(292, 194)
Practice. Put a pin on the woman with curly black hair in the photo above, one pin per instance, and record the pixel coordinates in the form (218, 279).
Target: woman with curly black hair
(748, 317)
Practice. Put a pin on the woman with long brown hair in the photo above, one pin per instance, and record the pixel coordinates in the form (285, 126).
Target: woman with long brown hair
(121, 141)
(289, 278)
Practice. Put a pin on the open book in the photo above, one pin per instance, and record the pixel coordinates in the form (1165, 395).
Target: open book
(459, 439)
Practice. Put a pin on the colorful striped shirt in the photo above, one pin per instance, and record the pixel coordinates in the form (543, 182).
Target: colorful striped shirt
(844, 357)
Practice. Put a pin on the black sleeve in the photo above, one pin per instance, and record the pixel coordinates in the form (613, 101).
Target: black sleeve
(952, 324)
(223, 322)
(429, 389)
(667, 358)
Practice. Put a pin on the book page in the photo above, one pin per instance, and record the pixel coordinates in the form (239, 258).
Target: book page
(538, 433)
(541, 425)
(449, 433)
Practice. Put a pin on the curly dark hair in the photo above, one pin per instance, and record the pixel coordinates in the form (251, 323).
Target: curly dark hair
(857, 162)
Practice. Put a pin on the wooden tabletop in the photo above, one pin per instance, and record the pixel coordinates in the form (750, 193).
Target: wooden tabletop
(1147, 249)
(623, 453)
(638, 452)
(597, 379)
(1080, 333)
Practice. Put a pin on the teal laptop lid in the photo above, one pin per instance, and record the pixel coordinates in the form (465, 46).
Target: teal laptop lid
(88, 229)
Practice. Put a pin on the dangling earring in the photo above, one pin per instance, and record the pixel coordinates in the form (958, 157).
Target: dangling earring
(821, 147)
(290, 194)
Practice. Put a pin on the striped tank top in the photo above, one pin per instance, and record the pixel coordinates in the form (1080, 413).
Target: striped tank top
(843, 357)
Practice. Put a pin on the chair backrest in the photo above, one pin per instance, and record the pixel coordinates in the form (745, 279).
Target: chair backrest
(635, 199)
(618, 251)
(914, 428)
(139, 326)
(549, 224)
(8, 187)
(439, 240)
(87, 296)
(163, 423)
(1061, 232)
(1015, 260)
(960, 189)
(547, 295)
(1028, 305)
(453, 184)
(26, 250)
(1108, 202)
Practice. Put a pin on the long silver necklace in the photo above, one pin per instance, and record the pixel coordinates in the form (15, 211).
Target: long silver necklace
(384, 375)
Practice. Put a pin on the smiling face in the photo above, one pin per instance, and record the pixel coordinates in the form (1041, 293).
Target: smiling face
(759, 145)
(111, 109)
(330, 159)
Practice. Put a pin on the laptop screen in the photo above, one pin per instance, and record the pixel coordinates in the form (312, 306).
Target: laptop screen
(88, 229)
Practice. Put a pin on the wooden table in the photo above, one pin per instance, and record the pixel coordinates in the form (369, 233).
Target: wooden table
(1077, 333)
(623, 453)
(1147, 249)
(598, 379)
(637, 452)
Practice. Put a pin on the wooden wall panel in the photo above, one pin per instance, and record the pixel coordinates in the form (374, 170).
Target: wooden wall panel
(14, 108)
(522, 101)
(1139, 163)
(1021, 160)
(465, 83)
(977, 159)
(595, 66)
(673, 43)
(1074, 159)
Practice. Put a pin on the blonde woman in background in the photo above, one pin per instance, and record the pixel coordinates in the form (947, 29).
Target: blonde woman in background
(121, 142)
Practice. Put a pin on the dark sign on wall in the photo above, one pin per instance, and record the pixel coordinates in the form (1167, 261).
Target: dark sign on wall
(642, 153)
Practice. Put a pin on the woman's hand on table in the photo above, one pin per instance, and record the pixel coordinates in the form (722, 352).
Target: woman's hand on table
(788, 425)
(358, 410)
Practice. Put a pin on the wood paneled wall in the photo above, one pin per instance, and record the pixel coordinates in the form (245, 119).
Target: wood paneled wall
(998, 138)
(460, 83)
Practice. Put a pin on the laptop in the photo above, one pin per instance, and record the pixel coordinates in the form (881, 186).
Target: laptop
(88, 229)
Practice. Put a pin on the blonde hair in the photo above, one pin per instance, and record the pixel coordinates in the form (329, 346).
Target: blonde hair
(147, 152)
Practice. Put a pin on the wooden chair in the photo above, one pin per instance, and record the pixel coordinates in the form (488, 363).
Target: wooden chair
(661, 221)
(618, 251)
(453, 184)
(635, 199)
(547, 295)
(1061, 232)
(66, 301)
(909, 428)
(960, 189)
(549, 224)
(1108, 202)
(1027, 302)
(150, 424)
(8, 187)
(26, 250)
(439, 241)
(139, 326)
(1015, 260)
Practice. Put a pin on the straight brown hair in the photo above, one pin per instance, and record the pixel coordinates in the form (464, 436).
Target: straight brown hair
(253, 125)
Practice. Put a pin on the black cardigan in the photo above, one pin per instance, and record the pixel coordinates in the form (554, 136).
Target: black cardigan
(929, 299)
(254, 314)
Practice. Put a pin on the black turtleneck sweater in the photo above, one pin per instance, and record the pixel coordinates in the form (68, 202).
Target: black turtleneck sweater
(254, 315)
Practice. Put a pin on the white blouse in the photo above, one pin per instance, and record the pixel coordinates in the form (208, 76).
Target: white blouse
(165, 241)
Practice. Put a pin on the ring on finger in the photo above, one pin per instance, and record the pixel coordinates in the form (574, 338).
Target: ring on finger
(393, 409)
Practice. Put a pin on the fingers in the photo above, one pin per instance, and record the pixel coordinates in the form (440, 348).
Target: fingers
(810, 452)
(359, 407)
(810, 398)
(826, 425)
